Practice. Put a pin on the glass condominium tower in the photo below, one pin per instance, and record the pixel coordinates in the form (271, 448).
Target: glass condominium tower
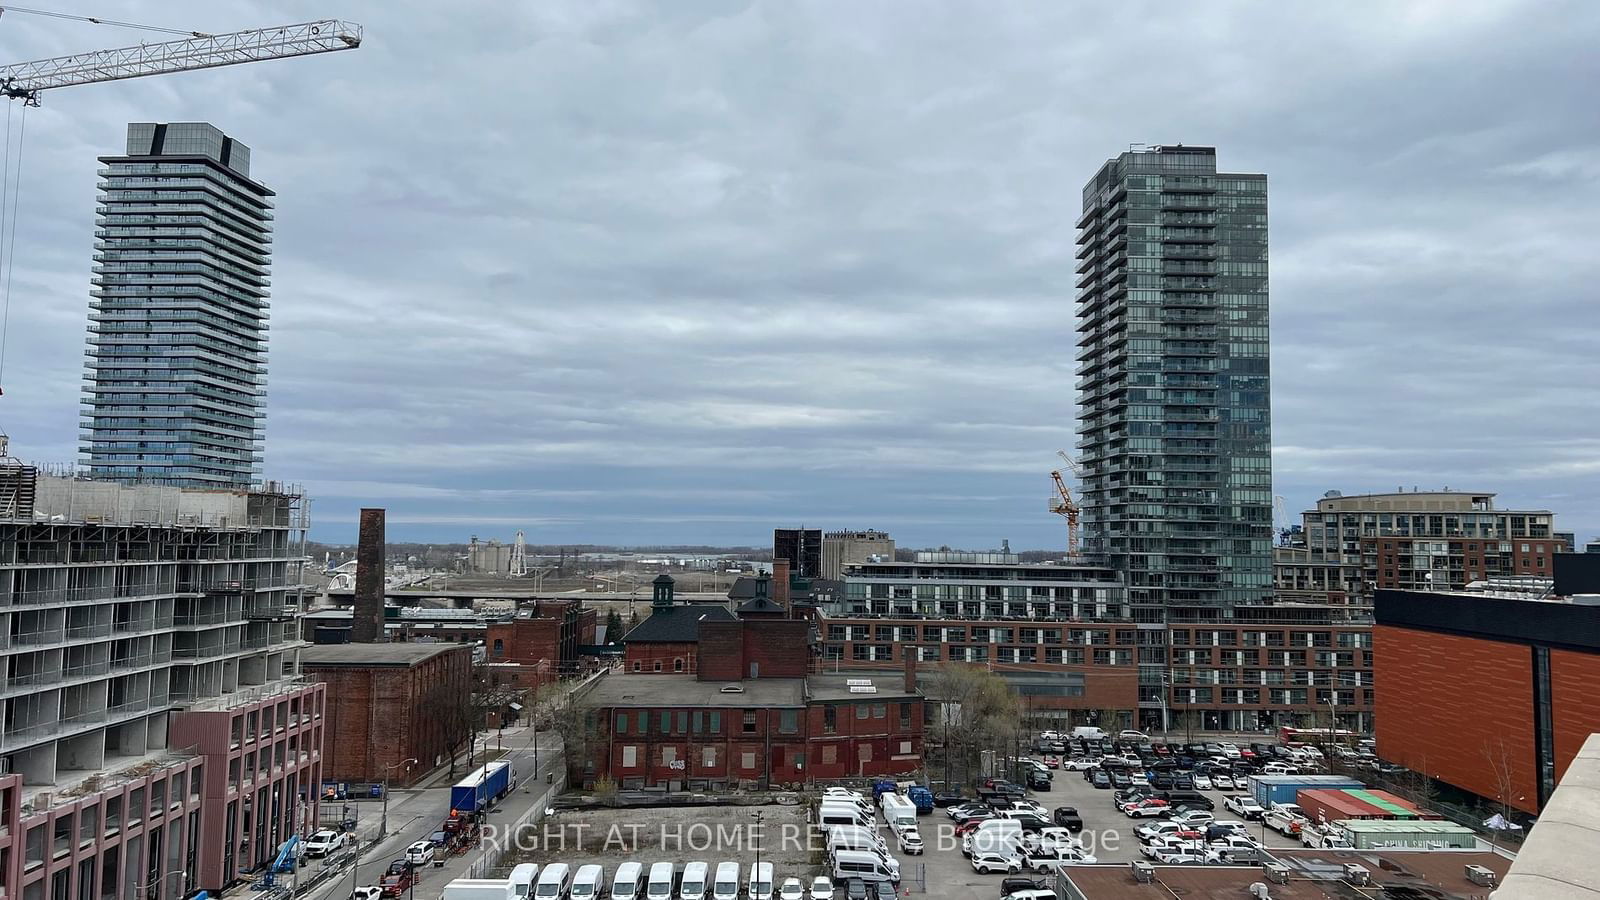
(1174, 415)
(178, 319)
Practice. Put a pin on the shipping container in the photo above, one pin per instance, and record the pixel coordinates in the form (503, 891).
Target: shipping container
(1332, 805)
(1408, 835)
(1270, 789)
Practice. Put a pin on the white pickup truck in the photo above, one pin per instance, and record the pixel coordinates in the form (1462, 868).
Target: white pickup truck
(1286, 818)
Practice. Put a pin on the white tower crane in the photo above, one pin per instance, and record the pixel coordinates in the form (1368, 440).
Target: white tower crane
(24, 81)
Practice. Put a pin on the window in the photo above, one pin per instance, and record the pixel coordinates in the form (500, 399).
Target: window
(637, 666)
(788, 721)
(697, 722)
(864, 752)
(682, 726)
(136, 806)
(880, 710)
(677, 664)
(716, 722)
(113, 815)
(630, 757)
(499, 647)
(747, 761)
(89, 824)
(830, 754)
(669, 755)
(749, 721)
(622, 723)
(666, 722)
(708, 757)
(35, 847)
(905, 715)
(658, 665)
(861, 710)
(830, 718)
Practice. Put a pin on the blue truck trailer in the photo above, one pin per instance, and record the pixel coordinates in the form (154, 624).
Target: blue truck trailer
(481, 789)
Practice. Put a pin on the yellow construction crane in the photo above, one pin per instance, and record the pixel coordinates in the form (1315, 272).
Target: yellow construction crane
(1062, 503)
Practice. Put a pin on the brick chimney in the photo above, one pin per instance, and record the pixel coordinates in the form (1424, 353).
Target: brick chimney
(780, 584)
(367, 614)
(909, 654)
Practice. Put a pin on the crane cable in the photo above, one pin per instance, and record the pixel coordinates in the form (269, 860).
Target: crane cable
(8, 230)
(98, 21)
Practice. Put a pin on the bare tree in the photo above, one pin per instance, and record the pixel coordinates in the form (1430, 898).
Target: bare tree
(1503, 771)
(579, 734)
(978, 710)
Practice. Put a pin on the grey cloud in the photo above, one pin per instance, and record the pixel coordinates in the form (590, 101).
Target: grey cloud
(673, 272)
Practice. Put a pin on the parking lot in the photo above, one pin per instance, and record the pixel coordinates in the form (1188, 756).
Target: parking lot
(1107, 834)
(716, 834)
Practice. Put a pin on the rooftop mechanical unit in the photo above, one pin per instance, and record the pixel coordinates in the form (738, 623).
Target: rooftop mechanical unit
(1277, 873)
(1357, 874)
(1480, 875)
(1143, 872)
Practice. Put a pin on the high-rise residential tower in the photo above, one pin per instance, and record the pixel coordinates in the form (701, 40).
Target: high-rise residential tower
(177, 326)
(1174, 414)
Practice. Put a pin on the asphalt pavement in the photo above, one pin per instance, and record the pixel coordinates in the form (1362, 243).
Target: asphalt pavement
(416, 814)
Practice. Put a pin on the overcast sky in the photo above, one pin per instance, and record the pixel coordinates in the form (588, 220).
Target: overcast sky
(681, 272)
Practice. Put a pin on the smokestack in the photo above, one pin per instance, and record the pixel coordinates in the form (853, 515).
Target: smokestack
(780, 584)
(367, 617)
(910, 656)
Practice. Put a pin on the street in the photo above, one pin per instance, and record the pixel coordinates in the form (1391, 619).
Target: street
(420, 813)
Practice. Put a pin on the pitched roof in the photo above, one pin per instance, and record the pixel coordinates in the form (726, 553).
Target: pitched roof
(677, 624)
(760, 605)
(744, 588)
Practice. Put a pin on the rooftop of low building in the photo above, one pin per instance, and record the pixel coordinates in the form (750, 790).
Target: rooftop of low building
(650, 691)
(404, 654)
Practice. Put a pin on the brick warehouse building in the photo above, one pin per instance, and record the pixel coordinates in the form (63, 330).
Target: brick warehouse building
(384, 705)
(1065, 638)
(1497, 691)
(752, 712)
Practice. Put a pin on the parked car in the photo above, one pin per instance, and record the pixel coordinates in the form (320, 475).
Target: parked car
(326, 842)
(910, 841)
(1148, 808)
(988, 861)
(1131, 735)
(1163, 782)
(1222, 781)
(1120, 779)
(420, 853)
(1192, 799)
(1153, 830)
(1180, 856)
(822, 888)
(1194, 818)
(856, 889)
(1201, 781)
(1245, 806)
(397, 880)
(1100, 779)
(968, 820)
(369, 892)
(947, 799)
(962, 808)
(1081, 763)
(1015, 883)
(791, 889)
(882, 890)
(1067, 817)
(1182, 782)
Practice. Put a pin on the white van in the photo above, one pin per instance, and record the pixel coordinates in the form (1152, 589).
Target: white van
(997, 836)
(760, 887)
(843, 815)
(865, 866)
(898, 812)
(1089, 733)
(726, 887)
(659, 885)
(555, 881)
(625, 885)
(522, 878)
(858, 801)
(588, 883)
(854, 837)
(693, 885)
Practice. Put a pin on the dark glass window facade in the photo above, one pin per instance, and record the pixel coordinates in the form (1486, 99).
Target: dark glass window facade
(178, 319)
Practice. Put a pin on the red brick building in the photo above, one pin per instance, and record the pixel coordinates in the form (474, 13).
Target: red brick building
(383, 706)
(1491, 694)
(667, 643)
(749, 712)
(544, 639)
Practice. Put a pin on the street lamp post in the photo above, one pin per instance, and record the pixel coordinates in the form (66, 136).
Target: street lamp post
(161, 882)
(383, 826)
